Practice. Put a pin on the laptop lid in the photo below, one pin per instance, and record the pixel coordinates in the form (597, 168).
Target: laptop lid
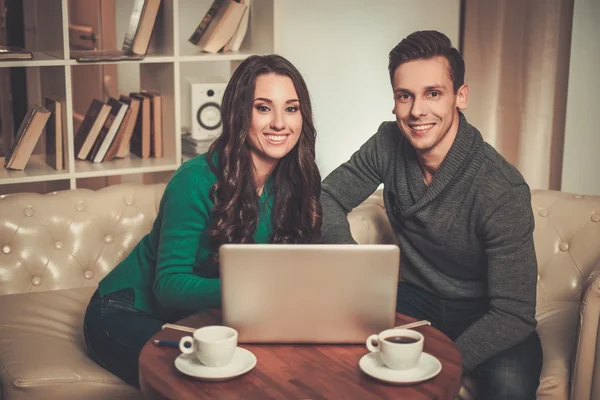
(280, 293)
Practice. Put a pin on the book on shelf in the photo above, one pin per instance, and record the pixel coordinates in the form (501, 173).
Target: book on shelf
(222, 27)
(156, 139)
(14, 53)
(6, 111)
(124, 133)
(121, 148)
(88, 131)
(109, 130)
(54, 134)
(210, 14)
(87, 56)
(29, 132)
(235, 42)
(141, 25)
(140, 143)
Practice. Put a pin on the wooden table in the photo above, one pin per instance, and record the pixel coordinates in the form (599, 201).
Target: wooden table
(315, 372)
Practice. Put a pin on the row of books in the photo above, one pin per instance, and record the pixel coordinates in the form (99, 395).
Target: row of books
(114, 129)
(38, 119)
(223, 27)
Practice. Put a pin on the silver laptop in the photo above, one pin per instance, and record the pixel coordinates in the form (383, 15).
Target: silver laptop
(278, 293)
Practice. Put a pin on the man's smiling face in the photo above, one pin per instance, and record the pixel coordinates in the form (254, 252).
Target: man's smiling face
(425, 104)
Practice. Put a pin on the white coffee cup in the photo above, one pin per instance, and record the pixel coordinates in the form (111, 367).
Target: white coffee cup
(399, 348)
(214, 346)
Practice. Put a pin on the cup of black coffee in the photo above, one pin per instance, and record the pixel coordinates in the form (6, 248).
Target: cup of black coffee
(399, 348)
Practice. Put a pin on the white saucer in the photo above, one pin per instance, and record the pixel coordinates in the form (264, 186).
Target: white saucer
(243, 361)
(427, 368)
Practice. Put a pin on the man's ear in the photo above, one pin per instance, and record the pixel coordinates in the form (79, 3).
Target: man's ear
(462, 97)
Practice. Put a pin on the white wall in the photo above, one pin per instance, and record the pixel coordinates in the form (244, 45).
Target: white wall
(581, 161)
(341, 48)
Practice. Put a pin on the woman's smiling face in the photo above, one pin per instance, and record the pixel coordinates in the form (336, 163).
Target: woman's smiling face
(276, 120)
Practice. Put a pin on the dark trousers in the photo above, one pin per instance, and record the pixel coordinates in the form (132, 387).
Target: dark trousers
(513, 374)
(115, 332)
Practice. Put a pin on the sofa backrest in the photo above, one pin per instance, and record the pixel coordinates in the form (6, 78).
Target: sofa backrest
(71, 238)
(74, 238)
(566, 238)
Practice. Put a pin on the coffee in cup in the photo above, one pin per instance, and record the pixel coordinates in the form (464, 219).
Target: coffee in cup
(401, 339)
(213, 346)
(399, 348)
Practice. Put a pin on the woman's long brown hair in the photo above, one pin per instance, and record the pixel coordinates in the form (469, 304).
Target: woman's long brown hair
(297, 182)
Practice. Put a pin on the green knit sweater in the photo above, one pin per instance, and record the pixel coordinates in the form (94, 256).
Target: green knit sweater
(168, 268)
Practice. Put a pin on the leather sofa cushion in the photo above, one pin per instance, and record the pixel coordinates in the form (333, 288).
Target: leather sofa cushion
(43, 353)
(557, 328)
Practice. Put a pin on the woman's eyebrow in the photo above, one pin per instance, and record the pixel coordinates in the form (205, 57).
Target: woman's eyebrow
(271, 101)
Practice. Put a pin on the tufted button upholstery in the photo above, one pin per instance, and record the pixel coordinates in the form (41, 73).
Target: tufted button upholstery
(567, 243)
(75, 238)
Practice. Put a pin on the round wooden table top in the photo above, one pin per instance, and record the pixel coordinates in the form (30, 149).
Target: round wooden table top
(295, 371)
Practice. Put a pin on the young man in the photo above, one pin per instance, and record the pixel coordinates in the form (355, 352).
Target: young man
(462, 216)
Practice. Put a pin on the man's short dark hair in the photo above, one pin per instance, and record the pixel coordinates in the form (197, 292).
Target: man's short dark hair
(423, 45)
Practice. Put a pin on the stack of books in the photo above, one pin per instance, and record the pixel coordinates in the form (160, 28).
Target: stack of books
(37, 120)
(192, 147)
(113, 129)
(223, 27)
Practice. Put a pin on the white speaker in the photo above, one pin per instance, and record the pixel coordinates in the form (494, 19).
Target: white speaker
(206, 109)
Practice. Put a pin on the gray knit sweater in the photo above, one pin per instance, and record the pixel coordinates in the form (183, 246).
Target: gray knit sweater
(467, 235)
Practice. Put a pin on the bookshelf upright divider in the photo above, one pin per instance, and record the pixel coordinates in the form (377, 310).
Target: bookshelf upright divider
(171, 63)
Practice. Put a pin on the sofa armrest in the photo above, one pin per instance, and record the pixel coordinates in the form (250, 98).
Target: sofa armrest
(586, 365)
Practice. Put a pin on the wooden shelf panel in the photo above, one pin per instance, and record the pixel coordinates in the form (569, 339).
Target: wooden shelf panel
(130, 165)
(36, 170)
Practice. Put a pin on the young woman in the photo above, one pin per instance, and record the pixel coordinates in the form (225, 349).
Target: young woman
(258, 183)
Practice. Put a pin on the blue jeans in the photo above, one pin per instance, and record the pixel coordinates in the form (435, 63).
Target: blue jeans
(115, 332)
(513, 374)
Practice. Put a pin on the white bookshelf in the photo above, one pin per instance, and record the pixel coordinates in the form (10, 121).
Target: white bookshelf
(171, 61)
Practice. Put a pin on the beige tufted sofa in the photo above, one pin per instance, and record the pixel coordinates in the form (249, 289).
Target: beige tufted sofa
(54, 249)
